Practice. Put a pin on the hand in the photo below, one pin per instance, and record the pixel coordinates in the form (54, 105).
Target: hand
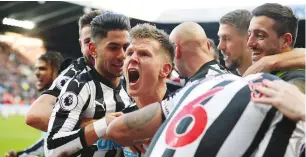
(86, 121)
(11, 153)
(284, 96)
(111, 116)
(140, 145)
(265, 65)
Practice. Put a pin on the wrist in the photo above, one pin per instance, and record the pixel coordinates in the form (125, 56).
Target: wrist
(272, 62)
(100, 127)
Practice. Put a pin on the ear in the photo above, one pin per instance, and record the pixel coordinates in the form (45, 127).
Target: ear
(80, 42)
(92, 49)
(166, 70)
(208, 45)
(177, 51)
(287, 40)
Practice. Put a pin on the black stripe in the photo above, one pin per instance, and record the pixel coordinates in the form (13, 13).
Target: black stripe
(82, 138)
(36, 146)
(75, 86)
(261, 132)
(111, 153)
(59, 121)
(119, 103)
(168, 152)
(99, 110)
(130, 109)
(54, 143)
(280, 138)
(217, 133)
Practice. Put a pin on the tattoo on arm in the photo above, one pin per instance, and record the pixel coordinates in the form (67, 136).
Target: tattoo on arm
(138, 119)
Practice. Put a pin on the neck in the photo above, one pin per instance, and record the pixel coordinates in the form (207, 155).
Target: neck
(196, 63)
(152, 96)
(245, 63)
(114, 80)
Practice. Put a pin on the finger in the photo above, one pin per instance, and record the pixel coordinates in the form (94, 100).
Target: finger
(275, 85)
(117, 114)
(263, 100)
(265, 91)
(140, 148)
(133, 149)
(147, 141)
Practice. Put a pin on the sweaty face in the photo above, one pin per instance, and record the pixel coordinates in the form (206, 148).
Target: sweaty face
(84, 41)
(263, 39)
(111, 53)
(142, 66)
(43, 73)
(232, 45)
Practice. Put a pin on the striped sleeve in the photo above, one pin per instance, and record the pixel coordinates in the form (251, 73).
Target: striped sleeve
(64, 136)
(59, 82)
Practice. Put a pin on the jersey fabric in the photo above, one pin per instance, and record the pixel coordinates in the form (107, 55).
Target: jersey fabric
(174, 82)
(214, 117)
(78, 66)
(36, 149)
(88, 95)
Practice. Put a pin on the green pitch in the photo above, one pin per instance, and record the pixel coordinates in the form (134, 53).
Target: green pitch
(15, 134)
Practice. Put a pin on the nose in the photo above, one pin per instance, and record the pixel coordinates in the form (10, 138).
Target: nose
(121, 54)
(36, 73)
(221, 45)
(252, 41)
(134, 58)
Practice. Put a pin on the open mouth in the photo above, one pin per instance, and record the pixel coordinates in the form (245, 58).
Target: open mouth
(133, 75)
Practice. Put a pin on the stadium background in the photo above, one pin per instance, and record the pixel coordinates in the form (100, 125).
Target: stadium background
(56, 30)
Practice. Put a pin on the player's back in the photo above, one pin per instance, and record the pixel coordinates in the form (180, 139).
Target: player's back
(215, 118)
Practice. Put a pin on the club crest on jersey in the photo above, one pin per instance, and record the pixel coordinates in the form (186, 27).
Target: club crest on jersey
(68, 101)
(61, 82)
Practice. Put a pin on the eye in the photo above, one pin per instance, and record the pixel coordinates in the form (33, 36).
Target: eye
(86, 41)
(129, 53)
(144, 54)
(260, 36)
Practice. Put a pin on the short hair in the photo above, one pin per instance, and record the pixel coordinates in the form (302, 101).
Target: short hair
(106, 22)
(54, 59)
(285, 20)
(146, 30)
(87, 18)
(239, 18)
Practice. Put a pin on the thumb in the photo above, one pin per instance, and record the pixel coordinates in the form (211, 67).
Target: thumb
(117, 114)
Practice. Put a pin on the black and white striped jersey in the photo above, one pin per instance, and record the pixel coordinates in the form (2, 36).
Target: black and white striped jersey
(88, 95)
(78, 66)
(215, 117)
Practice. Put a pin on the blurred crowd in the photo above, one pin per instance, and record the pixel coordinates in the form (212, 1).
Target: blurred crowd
(17, 79)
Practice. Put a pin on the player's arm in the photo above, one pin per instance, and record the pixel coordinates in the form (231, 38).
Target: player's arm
(295, 59)
(64, 137)
(136, 125)
(40, 110)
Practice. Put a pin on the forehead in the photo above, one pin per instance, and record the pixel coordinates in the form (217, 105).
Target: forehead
(117, 36)
(261, 23)
(85, 32)
(227, 29)
(144, 43)
(40, 63)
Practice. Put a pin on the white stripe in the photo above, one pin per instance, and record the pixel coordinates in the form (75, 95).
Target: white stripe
(264, 143)
(108, 95)
(74, 114)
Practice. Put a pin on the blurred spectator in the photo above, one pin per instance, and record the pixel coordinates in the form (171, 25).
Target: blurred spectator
(17, 79)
